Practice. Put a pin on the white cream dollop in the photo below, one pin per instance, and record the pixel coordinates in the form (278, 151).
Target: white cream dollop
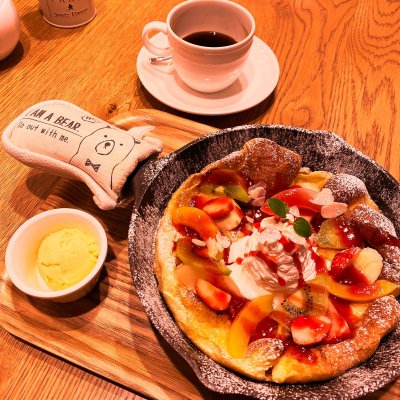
(248, 255)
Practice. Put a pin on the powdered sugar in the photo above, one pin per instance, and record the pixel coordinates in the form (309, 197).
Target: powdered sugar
(346, 188)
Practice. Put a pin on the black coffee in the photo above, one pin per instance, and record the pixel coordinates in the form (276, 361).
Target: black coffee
(209, 39)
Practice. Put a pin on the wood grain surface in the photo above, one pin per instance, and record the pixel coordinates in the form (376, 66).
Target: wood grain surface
(340, 71)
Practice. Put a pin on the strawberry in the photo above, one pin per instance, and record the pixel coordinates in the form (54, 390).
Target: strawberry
(309, 329)
(340, 330)
(232, 220)
(341, 262)
(200, 200)
(296, 196)
(219, 207)
(213, 297)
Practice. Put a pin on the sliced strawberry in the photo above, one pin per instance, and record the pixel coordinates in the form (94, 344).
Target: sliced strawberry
(308, 329)
(297, 196)
(200, 200)
(340, 329)
(213, 297)
(343, 270)
(219, 207)
(232, 220)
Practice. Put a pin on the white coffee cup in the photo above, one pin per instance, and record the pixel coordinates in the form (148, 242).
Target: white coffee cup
(202, 67)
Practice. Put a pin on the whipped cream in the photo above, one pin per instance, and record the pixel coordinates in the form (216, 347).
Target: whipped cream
(272, 259)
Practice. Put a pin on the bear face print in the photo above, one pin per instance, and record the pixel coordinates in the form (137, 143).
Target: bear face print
(101, 152)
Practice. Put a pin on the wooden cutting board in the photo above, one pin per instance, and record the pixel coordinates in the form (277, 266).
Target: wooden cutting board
(108, 331)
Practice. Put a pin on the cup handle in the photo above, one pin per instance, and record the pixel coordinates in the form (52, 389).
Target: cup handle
(155, 26)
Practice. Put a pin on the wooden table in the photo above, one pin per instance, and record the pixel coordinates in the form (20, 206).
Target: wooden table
(340, 71)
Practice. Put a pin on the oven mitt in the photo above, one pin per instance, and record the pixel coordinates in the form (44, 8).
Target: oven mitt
(65, 140)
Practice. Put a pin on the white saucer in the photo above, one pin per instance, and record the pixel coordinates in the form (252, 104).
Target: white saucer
(256, 82)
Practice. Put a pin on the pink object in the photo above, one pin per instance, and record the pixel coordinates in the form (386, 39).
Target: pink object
(9, 28)
(333, 210)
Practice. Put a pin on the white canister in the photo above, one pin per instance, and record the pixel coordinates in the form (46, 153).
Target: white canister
(68, 13)
(9, 27)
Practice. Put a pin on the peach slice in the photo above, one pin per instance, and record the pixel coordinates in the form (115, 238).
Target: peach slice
(197, 220)
(378, 289)
(188, 275)
(185, 252)
(245, 324)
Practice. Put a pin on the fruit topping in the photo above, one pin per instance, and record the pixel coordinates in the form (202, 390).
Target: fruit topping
(300, 197)
(342, 269)
(245, 324)
(231, 220)
(212, 296)
(369, 263)
(314, 180)
(310, 329)
(219, 207)
(197, 220)
(312, 299)
(338, 234)
(356, 266)
(352, 312)
(340, 329)
(234, 184)
(270, 247)
(188, 275)
(200, 200)
(185, 251)
(362, 292)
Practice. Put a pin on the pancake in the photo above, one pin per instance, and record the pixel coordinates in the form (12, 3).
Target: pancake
(211, 307)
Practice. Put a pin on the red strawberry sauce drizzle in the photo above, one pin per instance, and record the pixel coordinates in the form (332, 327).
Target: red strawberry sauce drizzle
(320, 264)
(267, 328)
(299, 267)
(349, 234)
(305, 355)
(235, 305)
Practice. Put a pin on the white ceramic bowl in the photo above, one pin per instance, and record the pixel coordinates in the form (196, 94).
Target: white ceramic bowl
(23, 247)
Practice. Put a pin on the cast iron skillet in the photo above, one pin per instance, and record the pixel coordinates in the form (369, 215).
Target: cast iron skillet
(154, 184)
